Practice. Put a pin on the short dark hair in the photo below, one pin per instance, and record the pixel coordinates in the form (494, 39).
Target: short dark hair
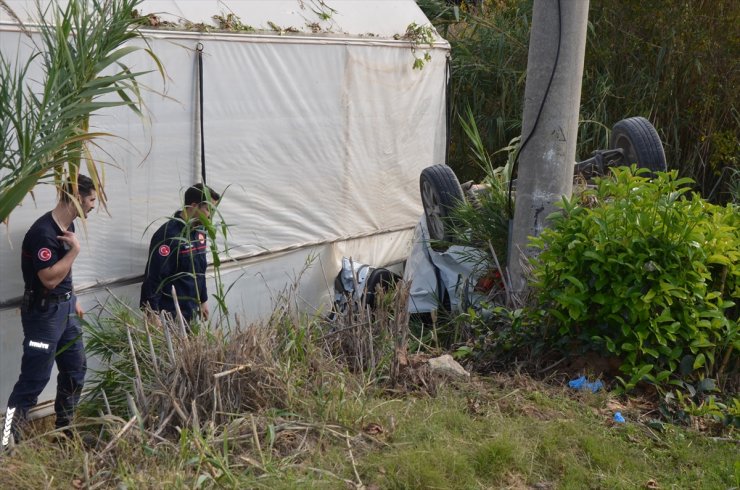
(85, 187)
(199, 193)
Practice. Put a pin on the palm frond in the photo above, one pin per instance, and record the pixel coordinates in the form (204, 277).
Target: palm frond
(81, 52)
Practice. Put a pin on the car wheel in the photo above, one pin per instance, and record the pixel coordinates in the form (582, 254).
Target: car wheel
(640, 143)
(440, 193)
(378, 277)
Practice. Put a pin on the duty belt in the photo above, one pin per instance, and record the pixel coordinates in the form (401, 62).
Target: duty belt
(59, 298)
(51, 298)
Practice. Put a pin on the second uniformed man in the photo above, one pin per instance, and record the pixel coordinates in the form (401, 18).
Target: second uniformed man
(178, 257)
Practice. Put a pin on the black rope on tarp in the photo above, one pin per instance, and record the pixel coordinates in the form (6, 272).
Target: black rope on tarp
(199, 50)
(448, 109)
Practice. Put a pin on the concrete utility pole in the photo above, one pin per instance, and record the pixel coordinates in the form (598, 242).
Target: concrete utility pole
(546, 161)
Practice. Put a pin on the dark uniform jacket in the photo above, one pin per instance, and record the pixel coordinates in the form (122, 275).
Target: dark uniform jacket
(177, 257)
(41, 249)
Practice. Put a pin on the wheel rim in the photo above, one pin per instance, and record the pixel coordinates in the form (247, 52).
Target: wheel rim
(432, 210)
(625, 144)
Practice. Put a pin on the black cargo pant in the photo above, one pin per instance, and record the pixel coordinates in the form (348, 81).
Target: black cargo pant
(51, 335)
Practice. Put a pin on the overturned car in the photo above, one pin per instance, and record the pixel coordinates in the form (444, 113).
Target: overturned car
(454, 277)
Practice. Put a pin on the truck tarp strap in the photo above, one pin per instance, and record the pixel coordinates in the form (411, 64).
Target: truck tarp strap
(199, 49)
(448, 108)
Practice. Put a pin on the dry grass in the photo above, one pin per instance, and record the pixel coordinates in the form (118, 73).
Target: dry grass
(211, 375)
(305, 403)
(163, 376)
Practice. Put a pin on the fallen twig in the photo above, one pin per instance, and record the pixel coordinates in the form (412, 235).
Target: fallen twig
(118, 436)
(257, 438)
(352, 460)
(230, 371)
(329, 473)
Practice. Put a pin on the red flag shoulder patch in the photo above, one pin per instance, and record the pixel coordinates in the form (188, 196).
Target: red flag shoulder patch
(44, 254)
(164, 250)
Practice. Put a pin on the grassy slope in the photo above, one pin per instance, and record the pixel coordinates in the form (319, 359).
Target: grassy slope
(503, 432)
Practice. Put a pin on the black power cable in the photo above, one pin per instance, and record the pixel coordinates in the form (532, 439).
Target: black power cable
(199, 50)
(539, 112)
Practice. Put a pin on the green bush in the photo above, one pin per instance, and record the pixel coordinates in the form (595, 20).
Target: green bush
(647, 272)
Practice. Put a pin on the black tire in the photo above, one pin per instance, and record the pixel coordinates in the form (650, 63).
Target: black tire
(640, 144)
(378, 277)
(440, 193)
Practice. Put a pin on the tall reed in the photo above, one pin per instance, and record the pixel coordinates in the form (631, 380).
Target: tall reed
(45, 125)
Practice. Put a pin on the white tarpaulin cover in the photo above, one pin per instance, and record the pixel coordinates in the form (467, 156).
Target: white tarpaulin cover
(316, 141)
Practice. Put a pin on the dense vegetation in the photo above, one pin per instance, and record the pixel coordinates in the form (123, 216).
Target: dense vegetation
(674, 63)
(302, 403)
(642, 271)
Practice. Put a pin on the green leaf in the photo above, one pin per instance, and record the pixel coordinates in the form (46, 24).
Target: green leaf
(600, 298)
(644, 370)
(665, 316)
(666, 352)
(651, 352)
(719, 259)
(593, 255)
(115, 56)
(13, 195)
(610, 345)
(699, 361)
(701, 343)
(576, 282)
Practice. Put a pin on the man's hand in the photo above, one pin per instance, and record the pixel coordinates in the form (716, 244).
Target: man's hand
(70, 240)
(78, 309)
(50, 277)
(204, 311)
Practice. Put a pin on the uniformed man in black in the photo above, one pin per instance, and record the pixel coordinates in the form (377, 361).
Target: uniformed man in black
(50, 313)
(178, 257)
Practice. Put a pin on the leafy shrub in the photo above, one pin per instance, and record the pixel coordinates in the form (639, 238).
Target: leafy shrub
(649, 273)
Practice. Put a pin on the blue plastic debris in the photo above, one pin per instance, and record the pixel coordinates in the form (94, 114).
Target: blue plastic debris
(595, 386)
(618, 418)
(582, 383)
